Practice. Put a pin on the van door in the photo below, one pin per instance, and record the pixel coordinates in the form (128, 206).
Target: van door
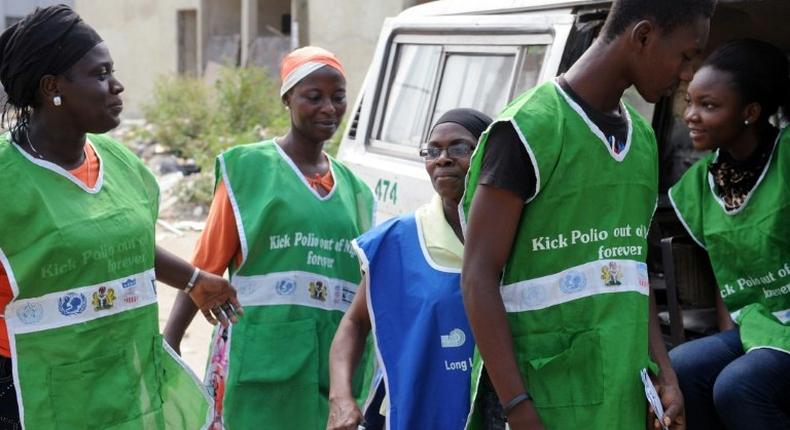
(425, 66)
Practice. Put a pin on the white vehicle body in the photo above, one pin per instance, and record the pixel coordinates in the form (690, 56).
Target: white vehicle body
(469, 53)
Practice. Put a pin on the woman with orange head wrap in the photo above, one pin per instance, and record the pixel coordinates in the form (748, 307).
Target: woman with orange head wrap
(282, 220)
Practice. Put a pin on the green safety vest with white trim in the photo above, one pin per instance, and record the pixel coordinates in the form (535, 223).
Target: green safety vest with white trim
(575, 286)
(749, 247)
(298, 275)
(83, 323)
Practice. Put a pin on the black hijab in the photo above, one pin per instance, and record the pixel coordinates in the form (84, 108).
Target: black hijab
(474, 121)
(46, 42)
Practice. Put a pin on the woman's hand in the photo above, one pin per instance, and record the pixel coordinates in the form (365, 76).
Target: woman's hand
(524, 417)
(216, 298)
(174, 343)
(672, 401)
(344, 414)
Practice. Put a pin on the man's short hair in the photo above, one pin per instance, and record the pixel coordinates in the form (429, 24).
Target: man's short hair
(667, 14)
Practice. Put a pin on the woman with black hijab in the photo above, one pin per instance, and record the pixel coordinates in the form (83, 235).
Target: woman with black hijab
(78, 262)
(410, 296)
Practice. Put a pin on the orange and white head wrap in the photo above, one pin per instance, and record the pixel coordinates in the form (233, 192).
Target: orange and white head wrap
(303, 61)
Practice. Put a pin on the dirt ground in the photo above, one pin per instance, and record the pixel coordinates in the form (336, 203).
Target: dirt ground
(194, 346)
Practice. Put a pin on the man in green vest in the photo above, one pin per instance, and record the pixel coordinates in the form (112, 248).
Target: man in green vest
(556, 289)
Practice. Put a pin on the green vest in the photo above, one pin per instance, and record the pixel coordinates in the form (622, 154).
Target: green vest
(575, 286)
(749, 247)
(298, 276)
(83, 324)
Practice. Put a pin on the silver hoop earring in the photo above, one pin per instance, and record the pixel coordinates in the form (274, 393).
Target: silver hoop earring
(57, 101)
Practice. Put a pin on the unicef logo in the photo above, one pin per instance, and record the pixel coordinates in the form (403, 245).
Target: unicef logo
(72, 304)
(285, 287)
(31, 313)
(572, 282)
(533, 296)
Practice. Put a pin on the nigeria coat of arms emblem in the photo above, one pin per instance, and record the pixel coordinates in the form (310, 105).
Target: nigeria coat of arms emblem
(318, 291)
(103, 299)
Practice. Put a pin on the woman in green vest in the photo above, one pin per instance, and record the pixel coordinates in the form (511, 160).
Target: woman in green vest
(282, 221)
(77, 251)
(735, 203)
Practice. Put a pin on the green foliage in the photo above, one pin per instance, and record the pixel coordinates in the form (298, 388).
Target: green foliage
(181, 115)
(198, 189)
(198, 121)
(248, 98)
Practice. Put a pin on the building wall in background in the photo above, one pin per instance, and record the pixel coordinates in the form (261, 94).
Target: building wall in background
(13, 10)
(270, 16)
(221, 30)
(143, 41)
(350, 29)
(265, 33)
(149, 38)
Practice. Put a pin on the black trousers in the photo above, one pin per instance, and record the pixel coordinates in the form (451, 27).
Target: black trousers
(9, 409)
(490, 407)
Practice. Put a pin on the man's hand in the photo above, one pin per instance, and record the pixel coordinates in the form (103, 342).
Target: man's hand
(672, 401)
(344, 414)
(524, 417)
(216, 298)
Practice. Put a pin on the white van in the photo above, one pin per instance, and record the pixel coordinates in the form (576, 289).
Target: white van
(481, 54)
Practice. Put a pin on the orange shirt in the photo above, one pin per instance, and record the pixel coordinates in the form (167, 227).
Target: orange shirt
(88, 174)
(219, 244)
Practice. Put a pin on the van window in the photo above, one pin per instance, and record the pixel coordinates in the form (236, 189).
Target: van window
(410, 94)
(424, 80)
(474, 81)
(531, 64)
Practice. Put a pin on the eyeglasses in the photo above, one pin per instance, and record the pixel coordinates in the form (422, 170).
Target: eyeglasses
(458, 150)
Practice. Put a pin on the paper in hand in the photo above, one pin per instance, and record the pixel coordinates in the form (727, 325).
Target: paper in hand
(652, 397)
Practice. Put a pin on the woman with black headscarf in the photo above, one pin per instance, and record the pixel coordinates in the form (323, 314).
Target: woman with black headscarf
(77, 254)
(411, 297)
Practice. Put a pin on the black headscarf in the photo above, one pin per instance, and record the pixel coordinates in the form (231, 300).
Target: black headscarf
(474, 121)
(47, 42)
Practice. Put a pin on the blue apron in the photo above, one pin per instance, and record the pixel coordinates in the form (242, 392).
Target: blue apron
(423, 338)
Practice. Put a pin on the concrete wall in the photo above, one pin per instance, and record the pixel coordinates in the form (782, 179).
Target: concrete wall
(270, 13)
(265, 39)
(219, 18)
(351, 29)
(142, 38)
(222, 17)
(20, 8)
(143, 34)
